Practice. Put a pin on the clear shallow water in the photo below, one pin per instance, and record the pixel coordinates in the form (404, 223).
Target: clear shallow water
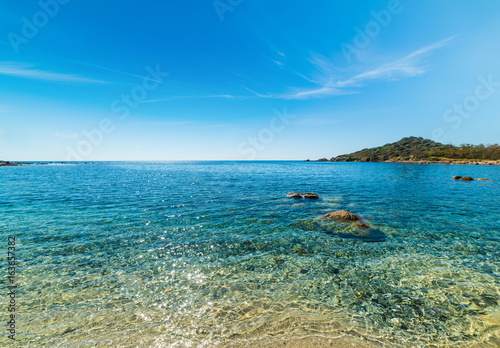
(200, 254)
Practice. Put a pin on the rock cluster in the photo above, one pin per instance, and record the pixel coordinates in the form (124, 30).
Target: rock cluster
(9, 163)
(361, 230)
(12, 164)
(308, 195)
(468, 178)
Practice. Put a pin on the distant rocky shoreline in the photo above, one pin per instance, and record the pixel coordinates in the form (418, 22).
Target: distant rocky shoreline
(415, 161)
(13, 164)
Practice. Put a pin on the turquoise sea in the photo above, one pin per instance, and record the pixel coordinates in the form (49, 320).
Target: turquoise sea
(213, 254)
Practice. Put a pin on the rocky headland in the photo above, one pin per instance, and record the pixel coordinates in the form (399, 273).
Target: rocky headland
(424, 151)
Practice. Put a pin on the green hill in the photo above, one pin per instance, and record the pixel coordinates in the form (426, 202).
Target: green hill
(418, 149)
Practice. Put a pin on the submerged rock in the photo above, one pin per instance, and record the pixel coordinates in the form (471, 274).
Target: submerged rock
(361, 224)
(366, 235)
(481, 179)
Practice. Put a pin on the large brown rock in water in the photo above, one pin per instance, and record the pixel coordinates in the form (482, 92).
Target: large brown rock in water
(343, 215)
(294, 195)
(466, 178)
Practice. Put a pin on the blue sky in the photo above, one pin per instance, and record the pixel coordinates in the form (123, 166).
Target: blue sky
(240, 79)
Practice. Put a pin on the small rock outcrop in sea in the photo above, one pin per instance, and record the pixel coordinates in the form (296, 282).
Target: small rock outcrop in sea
(308, 195)
(344, 215)
(468, 178)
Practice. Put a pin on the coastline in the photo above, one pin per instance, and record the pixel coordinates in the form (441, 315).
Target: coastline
(418, 150)
(448, 161)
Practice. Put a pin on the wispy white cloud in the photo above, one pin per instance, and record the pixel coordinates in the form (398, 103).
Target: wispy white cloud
(296, 93)
(409, 66)
(260, 95)
(323, 91)
(70, 136)
(329, 80)
(28, 71)
(101, 68)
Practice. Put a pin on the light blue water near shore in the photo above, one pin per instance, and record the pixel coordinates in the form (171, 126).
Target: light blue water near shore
(197, 254)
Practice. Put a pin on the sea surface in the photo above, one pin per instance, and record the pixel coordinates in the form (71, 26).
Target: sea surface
(213, 254)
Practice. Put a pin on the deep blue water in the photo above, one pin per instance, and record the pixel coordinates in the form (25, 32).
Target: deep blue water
(187, 254)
